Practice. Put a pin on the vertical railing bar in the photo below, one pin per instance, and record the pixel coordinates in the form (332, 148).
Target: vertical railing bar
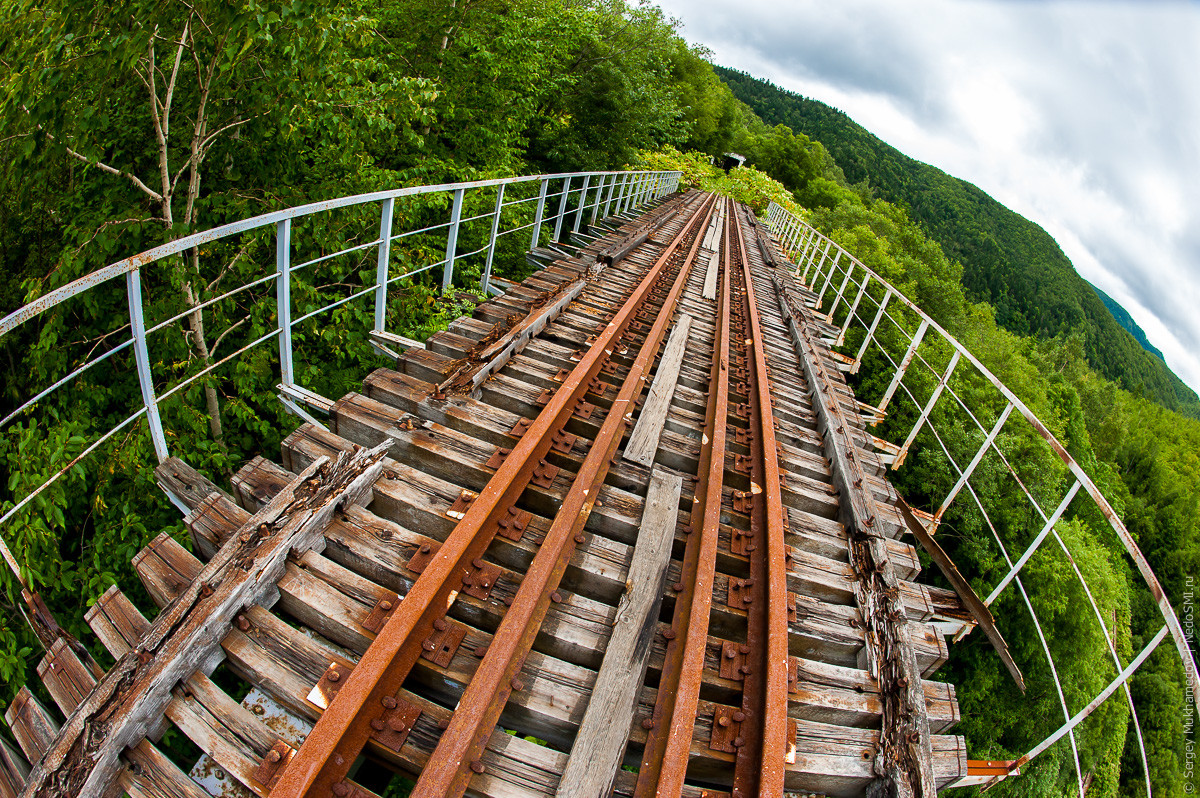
(452, 240)
(283, 298)
(611, 190)
(137, 323)
(926, 411)
(562, 209)
(599, 196)
(987, 443)
(582, 204)
(537, 217)
(837, 300)
(829, 277)
(862, 289)
(382, 263)
(862, 350)
(1047, 528)
(904, 364)
(485, 282)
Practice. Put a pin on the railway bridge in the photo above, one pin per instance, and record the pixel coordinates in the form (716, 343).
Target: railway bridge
(623, 530)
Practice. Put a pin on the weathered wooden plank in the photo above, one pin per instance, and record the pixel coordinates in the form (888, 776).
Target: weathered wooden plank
(13, 770)
(643, 441)
(117, 622)
(66, 677)
(149, 774)
(598, 747)
(32, 725)
(135, 692)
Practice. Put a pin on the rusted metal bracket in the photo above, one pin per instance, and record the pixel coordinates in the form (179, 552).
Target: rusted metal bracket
(741, 463)
(421, 557)
(392, 726)
(479, 580)
(740, 593)
(442, 643)
(742, 500)
(497, 458)
(328, 685)
(726, 730)
(733, 660)
(583, 410)
(563, 441)
(544, 474)
(461, 505)
(273, 763)
(512, 524)
(741, 541)
(520, 428)
(380, 613)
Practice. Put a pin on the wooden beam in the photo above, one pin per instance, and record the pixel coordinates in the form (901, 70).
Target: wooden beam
(600, 744)
(643, 441)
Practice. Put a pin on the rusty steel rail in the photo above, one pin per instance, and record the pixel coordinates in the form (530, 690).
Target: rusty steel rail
(760, 764)
(459, 751)
(878, 308)
(343, 729)
(665, 757)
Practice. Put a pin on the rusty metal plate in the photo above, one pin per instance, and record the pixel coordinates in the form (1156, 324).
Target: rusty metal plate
(520, 428)
(479, 580)
(793, 674)
(544, 398)
(793, 614)
(726, 730)
(544, 474)
(328, 685)
(739, 542)
(583, 410)
(461, 505)
(742, 463)
(733, 660)
(422, 556)
(563, 441)
(561, 375)
(380, 613)
(442, 643)
(273, 763)
(497, 458)
(392, 726)
(742, 499)
(512, 525)
(739, 595)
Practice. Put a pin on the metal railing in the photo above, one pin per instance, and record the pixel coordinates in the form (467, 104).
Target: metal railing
(585, 194)
(899, 336)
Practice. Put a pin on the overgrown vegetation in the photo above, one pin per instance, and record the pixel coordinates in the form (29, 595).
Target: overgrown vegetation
(136, 124)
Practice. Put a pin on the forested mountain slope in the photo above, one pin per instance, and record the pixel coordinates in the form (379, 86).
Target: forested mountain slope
(1125, 320)
(1008, 261)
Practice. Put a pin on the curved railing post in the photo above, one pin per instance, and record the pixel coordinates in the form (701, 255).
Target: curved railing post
(137, 323)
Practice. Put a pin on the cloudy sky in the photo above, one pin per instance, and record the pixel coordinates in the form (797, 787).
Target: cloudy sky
(1082, 116)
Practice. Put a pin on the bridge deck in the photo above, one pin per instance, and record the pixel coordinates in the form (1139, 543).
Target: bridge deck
(622, 531)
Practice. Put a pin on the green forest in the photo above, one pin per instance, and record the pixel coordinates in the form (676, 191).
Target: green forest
(137, 123)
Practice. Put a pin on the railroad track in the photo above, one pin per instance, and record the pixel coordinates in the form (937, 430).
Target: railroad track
(622, 531)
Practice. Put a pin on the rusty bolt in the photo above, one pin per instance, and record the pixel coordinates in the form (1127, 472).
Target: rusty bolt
(388, 702)
(668, 634)
(556, 597)
(738, 742)
(579, 538)
(477, 562)
(723, 722)
(739, 716)
(243, 623)
(517, 685)
(745, 649)
(730, 653)
(647, 723)
(677, 587)
(477, 765)
(425, 548)
(440, 624)
(377, 724)
(333, 676)
(341, 789)
(396, 724)
(444, 724)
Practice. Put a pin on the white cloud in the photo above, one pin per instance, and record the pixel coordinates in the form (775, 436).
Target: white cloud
(1081, 116)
